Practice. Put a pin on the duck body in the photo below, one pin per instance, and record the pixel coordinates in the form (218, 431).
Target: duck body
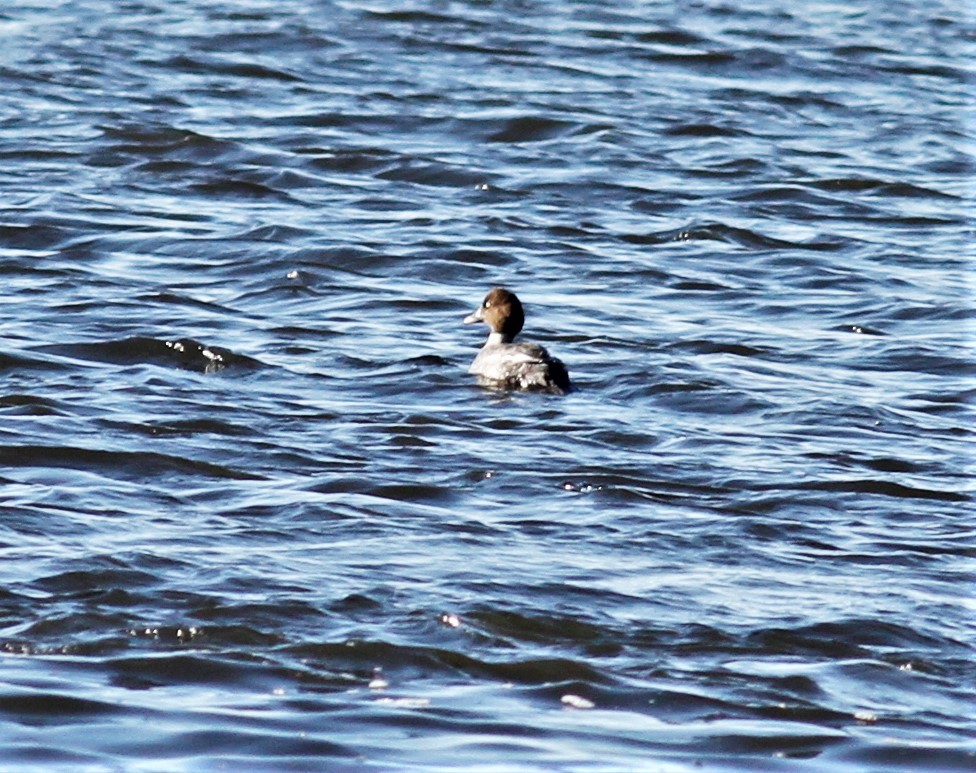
(504, 364)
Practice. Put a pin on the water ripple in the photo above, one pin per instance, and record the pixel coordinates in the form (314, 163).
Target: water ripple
(257, 514)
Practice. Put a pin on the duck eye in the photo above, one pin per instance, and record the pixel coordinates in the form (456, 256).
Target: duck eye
(487, 304)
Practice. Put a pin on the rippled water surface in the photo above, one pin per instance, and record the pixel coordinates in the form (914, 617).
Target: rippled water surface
(256, 514)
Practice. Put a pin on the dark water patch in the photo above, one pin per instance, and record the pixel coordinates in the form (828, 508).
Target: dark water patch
(714, 347)
(238, 188)
(420, 18)
(910, 223)
(795, 745)
(884, 488)
(945, 310)
(29, 754)
(543, 671)
(46, 710)
(696, 397)
(948, 403)
(38, 236)
(677, 707)
(251, 749)
(19, 363)
(930, 71)
(671, 37)
(414, 662)
(222, 627)
(668, 387)
(531, 129)
(879, 464)
(860, 51)
(700, 287)
(735, 168)
(549, 629)
(36, 155)
(263, 38)
(432, 173)
(171, 142)
(704, 60)
(852, 638)
(174, 668)
(891, 465)
(880, 187)
(797, 195)
(918, 360)
(411, 492)
(184, 353)
(357, 603)
(701, 130)
(201, 65)
(350, 160)
(856, 184)
(114, 464)
(364, 125)
(908, 756)
(912, 191)
(90, 582)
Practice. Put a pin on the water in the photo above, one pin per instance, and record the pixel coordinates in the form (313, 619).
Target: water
(256, 514)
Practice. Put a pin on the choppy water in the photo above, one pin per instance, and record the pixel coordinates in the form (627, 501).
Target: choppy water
(255, 513)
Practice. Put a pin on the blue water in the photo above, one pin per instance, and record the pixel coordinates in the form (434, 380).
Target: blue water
(254, 512)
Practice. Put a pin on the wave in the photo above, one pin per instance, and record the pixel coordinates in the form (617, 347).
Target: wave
(183, 353)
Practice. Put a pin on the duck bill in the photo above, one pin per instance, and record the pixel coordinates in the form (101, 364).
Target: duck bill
(474, 316)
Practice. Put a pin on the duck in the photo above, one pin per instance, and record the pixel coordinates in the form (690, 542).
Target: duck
(503, 364)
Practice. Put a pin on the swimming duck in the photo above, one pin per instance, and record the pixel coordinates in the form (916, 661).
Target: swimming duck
(506, 365)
